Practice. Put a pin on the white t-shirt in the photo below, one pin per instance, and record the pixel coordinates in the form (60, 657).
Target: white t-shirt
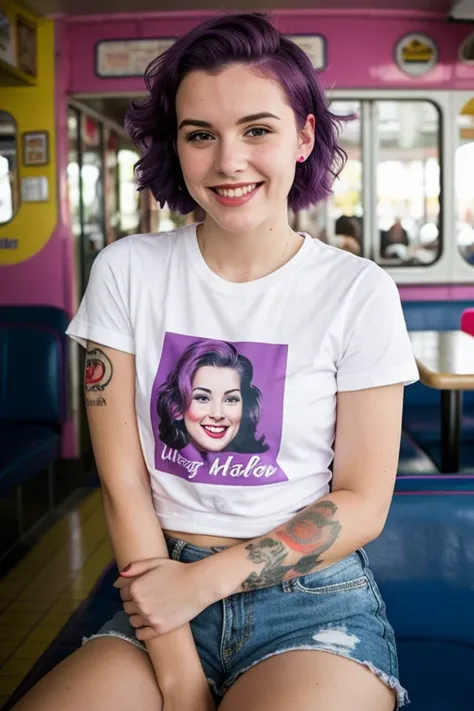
(236, 383)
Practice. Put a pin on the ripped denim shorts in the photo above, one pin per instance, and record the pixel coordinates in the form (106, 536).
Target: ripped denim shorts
(337, 610)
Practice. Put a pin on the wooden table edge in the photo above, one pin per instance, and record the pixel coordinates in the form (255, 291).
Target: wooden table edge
(444, 381)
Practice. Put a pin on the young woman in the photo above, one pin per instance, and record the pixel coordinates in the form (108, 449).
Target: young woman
(246, 585)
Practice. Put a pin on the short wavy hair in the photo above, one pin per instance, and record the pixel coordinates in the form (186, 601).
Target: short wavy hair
(175, 394)
(248, 39)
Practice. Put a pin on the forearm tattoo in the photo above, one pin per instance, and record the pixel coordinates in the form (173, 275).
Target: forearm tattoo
(310, 533)
(98, 374)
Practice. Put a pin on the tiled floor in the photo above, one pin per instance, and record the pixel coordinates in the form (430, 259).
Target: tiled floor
(39, 595)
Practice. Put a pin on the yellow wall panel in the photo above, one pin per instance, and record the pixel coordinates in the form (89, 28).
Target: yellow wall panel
(33, 108)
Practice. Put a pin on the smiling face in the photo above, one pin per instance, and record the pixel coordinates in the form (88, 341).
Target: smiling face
(213, 418)
(238, 145)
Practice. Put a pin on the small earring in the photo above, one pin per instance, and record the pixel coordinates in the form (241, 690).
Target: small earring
(301, 159)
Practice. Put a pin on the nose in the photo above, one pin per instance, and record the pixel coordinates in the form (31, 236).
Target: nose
(231, 157)
(217, 411)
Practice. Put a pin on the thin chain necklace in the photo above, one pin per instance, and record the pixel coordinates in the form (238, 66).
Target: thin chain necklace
(201, 244)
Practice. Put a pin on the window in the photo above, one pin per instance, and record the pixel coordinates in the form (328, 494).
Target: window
(408, 182)
(386, 201)
(338, 221)
(8, 168)
(464, 183)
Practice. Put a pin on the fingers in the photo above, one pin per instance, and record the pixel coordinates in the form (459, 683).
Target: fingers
(137, 621)
(126, 595)
(139, 567)
(131, 608)
(144, 634)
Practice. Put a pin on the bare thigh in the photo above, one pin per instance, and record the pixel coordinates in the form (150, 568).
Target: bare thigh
(107, 674)
(308, 680)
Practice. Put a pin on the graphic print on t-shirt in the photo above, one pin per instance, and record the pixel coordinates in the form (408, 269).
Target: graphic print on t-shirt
(217, 410)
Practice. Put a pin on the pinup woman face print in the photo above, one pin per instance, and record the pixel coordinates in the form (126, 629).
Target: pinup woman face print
(211, 420)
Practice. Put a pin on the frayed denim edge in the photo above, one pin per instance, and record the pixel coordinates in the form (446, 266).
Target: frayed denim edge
(391, 681)
(120, 635)
(141, 646)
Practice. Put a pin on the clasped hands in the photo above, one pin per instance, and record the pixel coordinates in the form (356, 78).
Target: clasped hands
(160, 595)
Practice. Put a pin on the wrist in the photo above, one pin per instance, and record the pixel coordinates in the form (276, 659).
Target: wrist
(187, 676)
(222, 574)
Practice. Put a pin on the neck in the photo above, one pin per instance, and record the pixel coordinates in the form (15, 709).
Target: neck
(246, 256)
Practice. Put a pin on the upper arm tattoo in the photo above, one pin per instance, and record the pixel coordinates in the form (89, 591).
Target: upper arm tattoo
(98, 374)
(309, 534)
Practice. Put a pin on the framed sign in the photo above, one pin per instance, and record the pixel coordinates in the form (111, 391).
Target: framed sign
(128, 58)
(314, 46)
(416, 54)
(35, 148)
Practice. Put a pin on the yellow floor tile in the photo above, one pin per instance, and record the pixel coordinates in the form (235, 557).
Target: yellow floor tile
(34, 592)
(44, 634)
(52, 542)
(65, 605)
(23, 619)
(12, 633)
(8, 591)
(7, 649)
(55, 619)
(74, 593)
(16, 667)
(30, 649)
(37, 605)
(8, 684)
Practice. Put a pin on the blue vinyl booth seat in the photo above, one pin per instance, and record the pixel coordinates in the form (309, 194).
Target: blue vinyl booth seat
(421, 410)
(424, 565)
(32, 390)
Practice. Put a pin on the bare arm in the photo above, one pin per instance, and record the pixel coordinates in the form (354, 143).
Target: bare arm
(132, 522)
(354, 513)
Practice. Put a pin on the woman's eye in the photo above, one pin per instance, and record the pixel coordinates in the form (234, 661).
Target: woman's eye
(233, 399)
(198, 137)
(201, 398)
(258, 131)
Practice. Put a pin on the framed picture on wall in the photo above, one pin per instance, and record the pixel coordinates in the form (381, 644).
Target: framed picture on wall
(35, 148)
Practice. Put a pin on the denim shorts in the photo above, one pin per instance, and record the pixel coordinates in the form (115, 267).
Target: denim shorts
(338, 610)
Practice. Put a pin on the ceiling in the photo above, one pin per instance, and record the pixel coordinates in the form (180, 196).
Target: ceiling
(88, 7)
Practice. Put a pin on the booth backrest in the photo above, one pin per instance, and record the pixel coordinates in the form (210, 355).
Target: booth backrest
(32, 364)
(434, 315)
(30, 374)
(424, 564)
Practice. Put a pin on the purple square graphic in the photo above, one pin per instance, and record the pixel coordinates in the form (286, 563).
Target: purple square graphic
(229, 432)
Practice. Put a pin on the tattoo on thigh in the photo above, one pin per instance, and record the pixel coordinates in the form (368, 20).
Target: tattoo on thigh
(310, 533)
(98, 374)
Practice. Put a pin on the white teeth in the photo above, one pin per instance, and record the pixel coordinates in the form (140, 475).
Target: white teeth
(238, 192)
(214, 429)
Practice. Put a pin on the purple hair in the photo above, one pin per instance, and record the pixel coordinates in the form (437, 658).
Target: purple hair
(215, 44)
(174, 396)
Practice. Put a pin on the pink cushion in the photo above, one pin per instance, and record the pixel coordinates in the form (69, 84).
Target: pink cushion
(467, 321)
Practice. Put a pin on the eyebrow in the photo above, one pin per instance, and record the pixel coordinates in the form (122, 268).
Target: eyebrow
(208, 390)
(244, 119)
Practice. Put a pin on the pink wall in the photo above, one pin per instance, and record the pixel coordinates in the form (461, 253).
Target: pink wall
(359, 46)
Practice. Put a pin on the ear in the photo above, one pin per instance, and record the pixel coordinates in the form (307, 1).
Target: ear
(306, 137)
